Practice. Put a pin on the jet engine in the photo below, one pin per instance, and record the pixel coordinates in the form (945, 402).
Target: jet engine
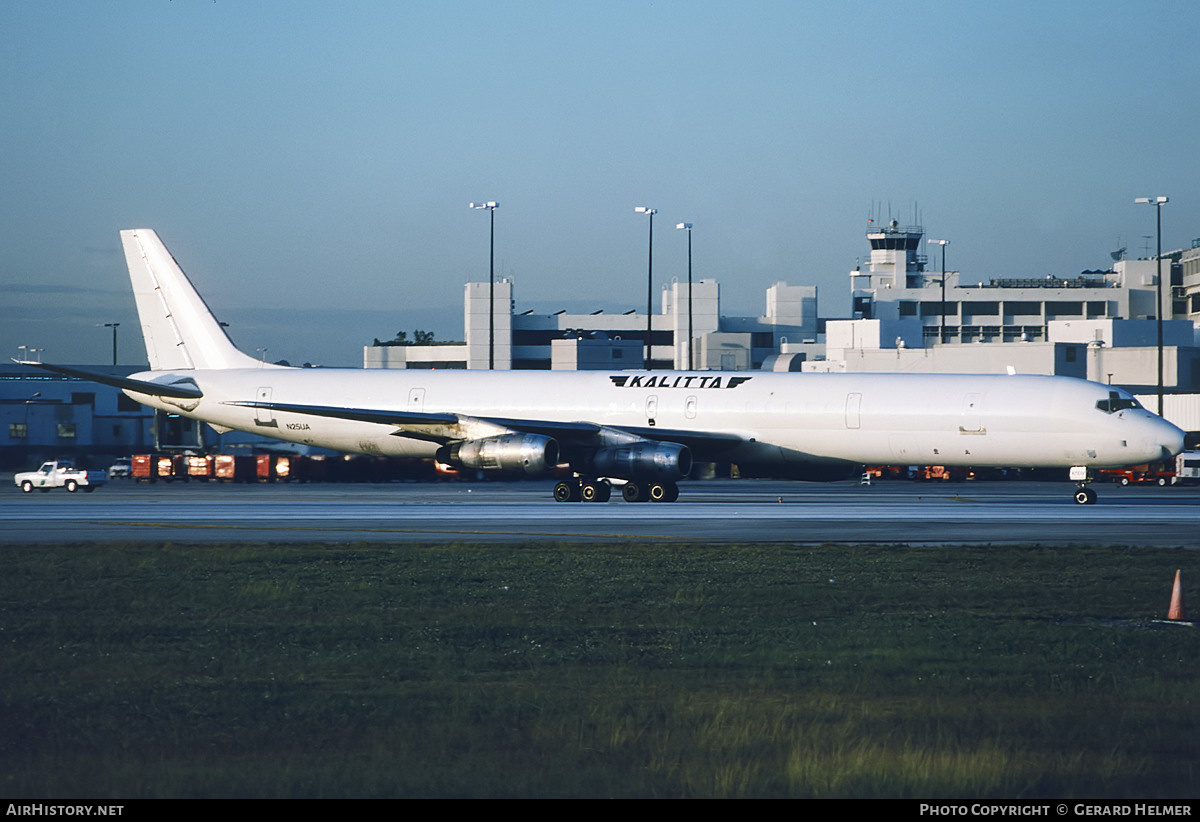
(664, 461)
(527, 453)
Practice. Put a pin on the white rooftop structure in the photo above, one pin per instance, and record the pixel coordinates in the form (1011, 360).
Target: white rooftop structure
(604, 339)
(897, 285)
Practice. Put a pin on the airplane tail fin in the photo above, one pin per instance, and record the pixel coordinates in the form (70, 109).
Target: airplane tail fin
(178, 327)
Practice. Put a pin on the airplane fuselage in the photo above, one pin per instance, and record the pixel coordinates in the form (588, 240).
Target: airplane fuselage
(777, 419)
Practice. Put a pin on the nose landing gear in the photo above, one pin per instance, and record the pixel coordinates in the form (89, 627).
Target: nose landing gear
(1083, 494)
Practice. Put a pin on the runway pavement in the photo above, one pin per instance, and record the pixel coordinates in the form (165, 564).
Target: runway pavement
(713, 511)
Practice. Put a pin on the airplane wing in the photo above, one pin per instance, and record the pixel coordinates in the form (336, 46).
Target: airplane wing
(184, 390)
(579, 434)
(384, 417)
(704, 443)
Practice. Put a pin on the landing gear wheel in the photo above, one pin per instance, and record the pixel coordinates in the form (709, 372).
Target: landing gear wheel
(635, 492)
(1085, 496)
(664, 492)
(595, 491)
(566, 492)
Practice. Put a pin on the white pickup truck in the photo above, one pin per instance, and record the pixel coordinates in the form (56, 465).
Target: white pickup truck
(60, 474)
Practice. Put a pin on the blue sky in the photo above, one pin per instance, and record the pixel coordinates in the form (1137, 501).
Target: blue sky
(310, 164)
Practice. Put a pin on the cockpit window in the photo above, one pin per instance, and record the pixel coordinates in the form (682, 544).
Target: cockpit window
(1116, 402)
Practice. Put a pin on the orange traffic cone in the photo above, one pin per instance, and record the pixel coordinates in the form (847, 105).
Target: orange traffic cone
(1176, 611)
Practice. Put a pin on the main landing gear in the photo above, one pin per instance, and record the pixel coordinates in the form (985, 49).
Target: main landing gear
(600, 490)
(582, 491)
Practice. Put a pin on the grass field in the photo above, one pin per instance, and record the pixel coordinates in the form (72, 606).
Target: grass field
(610, 670)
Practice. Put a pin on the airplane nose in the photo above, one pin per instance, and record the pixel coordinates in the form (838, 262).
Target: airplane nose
(1170, 439)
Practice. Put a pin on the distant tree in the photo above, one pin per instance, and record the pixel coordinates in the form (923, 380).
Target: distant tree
(419, 338)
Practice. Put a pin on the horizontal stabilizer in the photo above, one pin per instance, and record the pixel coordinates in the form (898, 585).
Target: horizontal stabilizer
(179, 390)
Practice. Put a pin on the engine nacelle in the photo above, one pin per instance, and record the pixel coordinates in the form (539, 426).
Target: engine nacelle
(527, 453)
(666, 461)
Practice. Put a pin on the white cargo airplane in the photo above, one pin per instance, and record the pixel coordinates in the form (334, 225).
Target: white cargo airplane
(641, 428)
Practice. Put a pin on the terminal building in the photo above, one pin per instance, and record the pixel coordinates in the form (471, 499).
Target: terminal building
(950, 308)
(602, 340)
(43, 415)
(1098, 325)
(1187, 292)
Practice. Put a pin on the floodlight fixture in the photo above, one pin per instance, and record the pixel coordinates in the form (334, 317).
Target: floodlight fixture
(942, 332)
(491, 206)
(1158, 203)
(691, 334)
(650, 212)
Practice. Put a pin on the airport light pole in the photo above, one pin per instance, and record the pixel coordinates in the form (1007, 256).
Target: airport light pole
(943, 244)
(1158, 203)
(691, 338)
(650, 212)
(113, 326)
(28, 402)
(491, 206)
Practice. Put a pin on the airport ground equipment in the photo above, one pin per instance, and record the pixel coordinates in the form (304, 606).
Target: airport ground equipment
(60, 474)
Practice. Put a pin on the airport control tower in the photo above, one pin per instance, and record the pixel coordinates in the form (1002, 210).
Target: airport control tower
(894, 263)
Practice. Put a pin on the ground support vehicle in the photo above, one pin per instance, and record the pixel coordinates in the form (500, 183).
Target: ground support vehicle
(1155, 473)
(60, 474)
(1187, 468)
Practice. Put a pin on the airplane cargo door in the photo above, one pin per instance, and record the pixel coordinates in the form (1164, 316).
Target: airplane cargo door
(853, 410)
(264, 417)
(416, 399)
(972, 414)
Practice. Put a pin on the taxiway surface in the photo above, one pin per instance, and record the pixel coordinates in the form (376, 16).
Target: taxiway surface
(713, 511)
